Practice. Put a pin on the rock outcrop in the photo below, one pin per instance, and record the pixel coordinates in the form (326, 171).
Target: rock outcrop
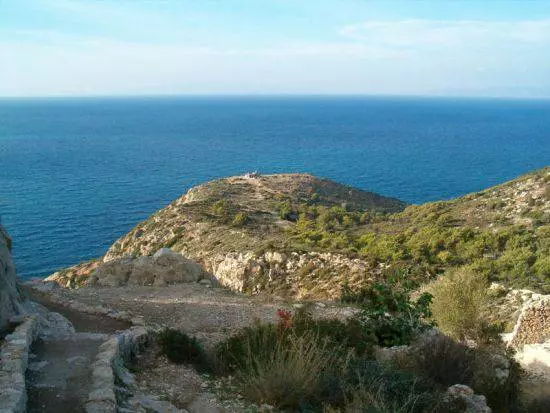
(165, 267)
(10, 297)
(305, 275)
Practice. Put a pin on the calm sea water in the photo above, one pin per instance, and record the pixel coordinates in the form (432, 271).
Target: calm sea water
(75, 174)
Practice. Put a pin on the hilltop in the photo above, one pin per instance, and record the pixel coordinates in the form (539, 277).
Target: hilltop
(302, 236)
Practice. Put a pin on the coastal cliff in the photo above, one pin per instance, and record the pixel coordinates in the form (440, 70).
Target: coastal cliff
(10, 297)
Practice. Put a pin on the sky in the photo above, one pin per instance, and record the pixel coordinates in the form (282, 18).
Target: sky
(492, 48)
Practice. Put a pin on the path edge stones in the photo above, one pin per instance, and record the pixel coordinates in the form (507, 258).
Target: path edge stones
(108, 369)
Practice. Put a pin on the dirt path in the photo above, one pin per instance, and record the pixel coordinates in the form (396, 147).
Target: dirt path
(82, 322)
(209, 313)
(59, 372)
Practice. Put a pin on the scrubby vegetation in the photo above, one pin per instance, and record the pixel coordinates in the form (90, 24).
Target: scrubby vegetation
(182, 349)
(470, 231)
(460, 306)
(304, 364)
(315, 365)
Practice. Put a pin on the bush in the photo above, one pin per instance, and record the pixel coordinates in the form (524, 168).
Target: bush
(240, 219)
(220, 208)
(372, 387)
(442, 360)
(285, 210)
(460, 299)
(232, 354)
(182, 349)
(325, 365)
(387, 311)
(349, 335)
(346, 336)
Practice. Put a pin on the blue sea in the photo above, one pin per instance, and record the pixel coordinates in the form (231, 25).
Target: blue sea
(76, 174)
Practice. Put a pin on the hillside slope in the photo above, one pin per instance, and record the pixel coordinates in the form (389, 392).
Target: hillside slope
(301, 236)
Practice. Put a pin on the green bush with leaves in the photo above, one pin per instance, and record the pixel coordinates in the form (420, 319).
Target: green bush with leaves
(290, 375)
(302, 364)
(221, 208)
(388, 312)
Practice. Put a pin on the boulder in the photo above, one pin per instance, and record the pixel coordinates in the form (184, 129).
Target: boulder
(164, 268)
(113, 273)
(533, 325)
(143, 272)
(172, 268)
(473, 403)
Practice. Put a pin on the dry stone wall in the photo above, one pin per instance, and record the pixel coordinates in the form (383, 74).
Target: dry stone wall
(533, 325)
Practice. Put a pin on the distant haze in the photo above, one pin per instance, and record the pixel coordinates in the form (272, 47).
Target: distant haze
(122, 47)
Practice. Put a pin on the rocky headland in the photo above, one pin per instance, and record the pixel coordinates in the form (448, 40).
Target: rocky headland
(302, 237)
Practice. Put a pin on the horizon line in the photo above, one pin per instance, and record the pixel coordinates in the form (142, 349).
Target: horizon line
(270, 95)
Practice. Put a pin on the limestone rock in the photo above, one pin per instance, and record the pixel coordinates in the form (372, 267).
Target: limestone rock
(175, 268)
(164, 268)
(10, 298)
(474, 403)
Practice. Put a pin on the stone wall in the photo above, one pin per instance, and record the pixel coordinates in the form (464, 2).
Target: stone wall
(10, 298)
(533, 325)
(108, 369)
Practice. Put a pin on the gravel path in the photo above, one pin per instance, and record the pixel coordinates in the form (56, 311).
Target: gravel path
(59, 373)
(211, 314)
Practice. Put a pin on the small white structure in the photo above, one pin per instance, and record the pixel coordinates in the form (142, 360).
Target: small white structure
(252, 175)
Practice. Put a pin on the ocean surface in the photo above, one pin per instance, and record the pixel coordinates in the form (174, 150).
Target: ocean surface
(76, 174)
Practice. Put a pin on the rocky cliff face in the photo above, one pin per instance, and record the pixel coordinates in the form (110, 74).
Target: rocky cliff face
(10, 298)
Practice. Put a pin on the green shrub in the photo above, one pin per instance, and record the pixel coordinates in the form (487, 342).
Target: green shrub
(443, 362)
(220, 208)
(240, 219)
(373, 387)
(460, 299)
(182, 349)
(285, 210)
(348, 335)
(232, 353)
(387, 311)
(302, 364)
